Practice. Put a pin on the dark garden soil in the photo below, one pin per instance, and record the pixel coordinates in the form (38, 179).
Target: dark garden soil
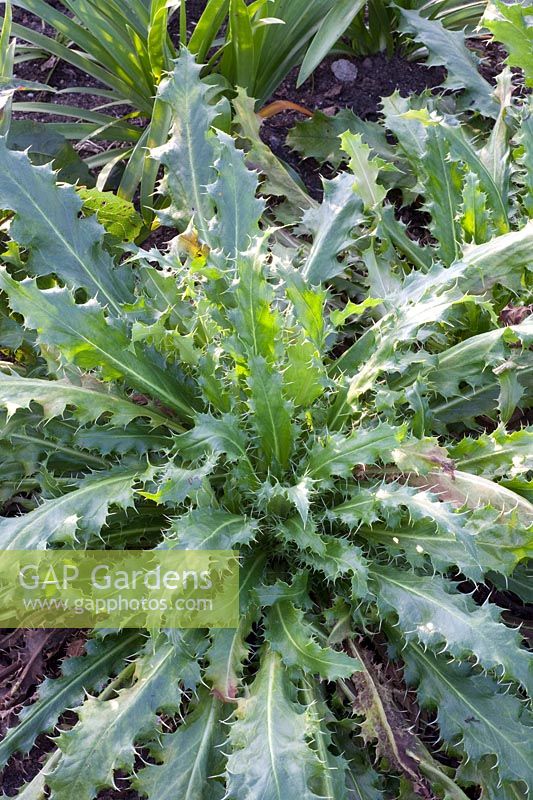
(376, 76)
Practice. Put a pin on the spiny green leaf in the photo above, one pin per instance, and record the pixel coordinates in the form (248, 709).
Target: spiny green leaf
(340, 559)
(494, 454)
(90, 400)
(475, 217)
(105, 736)
(210, 529)
(448, 48)
(214, 435)
(190, 758)
(74, 515)
(308, 302)
(474, 711)
(431, 610)
(189, 154)
(255, 322)
(238, 209)
(365, 170)
(338, 454)
(228, 650)
(175, 484)
(271, 413)
(319, 136)
(332, 782)
(278, 181)
(118, 216)
(87, 339)
(47, 222)
(79, 674)
(331, 225)
(294, 639)
(270, 756)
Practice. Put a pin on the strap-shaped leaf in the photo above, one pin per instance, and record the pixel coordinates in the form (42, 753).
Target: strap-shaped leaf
(431, 610)
(473, 710)
(79, 513)
(290, 635)
(85, 337)
(270, 756)
(47, 222)
(191, 758)
(104, 738)
(79, 675)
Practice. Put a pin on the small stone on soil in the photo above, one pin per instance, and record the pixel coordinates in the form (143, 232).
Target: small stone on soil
(344, 70)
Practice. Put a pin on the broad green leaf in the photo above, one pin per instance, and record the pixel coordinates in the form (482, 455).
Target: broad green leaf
(475, 711)
(118, 216)
(104, 738)
(365, 170)
(339, 454)
(238, 209)
(47, 222)
(256, 323)
(90, 400)
(176, 484)
(214, 435)
(331, 225)
(271, 416)
(475, 216)
(270, 757)
(510, 23)
(86, 338)
(449, 48)
(495, 454)
(319, 136)
(309, 305)
(210, 529)
(74, 515)
(190, 758)
(79, 674)
(294, 639)
(431, 610)
(189, 154)
(340, 559)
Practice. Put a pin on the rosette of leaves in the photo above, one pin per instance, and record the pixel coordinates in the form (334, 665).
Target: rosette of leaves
(221, 396)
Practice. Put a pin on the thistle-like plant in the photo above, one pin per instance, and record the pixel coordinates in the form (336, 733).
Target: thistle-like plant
(221, 396)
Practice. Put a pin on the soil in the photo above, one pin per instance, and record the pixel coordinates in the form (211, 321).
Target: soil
(377, 76)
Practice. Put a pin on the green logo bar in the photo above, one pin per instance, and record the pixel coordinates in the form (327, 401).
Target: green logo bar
(119, 589)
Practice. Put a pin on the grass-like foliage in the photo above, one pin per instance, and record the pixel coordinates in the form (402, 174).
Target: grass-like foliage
(222, 395)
